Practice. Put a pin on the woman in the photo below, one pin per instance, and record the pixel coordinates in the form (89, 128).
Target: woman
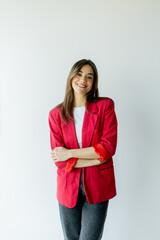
(83, 137)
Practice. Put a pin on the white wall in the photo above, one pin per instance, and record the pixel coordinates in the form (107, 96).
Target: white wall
(40, 41)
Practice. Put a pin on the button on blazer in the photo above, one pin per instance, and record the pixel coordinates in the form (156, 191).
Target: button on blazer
(99, 128)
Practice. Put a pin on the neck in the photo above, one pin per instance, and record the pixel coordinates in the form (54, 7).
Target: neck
(79, 100)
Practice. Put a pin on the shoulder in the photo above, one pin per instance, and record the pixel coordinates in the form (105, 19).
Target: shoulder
(105, 102)
(55, 113)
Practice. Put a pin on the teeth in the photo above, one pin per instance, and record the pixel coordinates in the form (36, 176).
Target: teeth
(81, 85)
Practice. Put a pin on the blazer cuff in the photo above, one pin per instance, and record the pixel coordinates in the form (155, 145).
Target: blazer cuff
(101, 151)
(70, 164)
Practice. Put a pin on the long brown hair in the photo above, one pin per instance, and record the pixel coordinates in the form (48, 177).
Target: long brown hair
(91, 96)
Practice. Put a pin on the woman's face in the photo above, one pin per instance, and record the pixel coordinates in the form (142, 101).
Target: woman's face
(83, 80)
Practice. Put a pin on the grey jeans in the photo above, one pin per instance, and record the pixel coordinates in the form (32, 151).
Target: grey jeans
(85, 221)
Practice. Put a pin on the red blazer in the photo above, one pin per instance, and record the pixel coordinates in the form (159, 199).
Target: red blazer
(100, 131)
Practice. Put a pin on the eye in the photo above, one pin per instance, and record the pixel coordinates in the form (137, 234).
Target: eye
(79, 74)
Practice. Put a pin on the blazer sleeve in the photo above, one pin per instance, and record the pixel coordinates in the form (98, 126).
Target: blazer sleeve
(56, 140)
(106, 147)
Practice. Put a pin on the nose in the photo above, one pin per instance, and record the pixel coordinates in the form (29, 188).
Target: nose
(83, 79)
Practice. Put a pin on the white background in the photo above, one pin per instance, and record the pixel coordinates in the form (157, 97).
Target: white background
(40, 41)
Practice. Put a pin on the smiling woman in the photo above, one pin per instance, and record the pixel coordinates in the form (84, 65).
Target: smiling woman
(83, 136)
(82, 83)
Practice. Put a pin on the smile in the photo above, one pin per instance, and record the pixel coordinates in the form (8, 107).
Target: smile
(81, 86)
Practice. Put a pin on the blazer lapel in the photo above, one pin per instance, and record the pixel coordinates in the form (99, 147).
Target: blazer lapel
(89, 123)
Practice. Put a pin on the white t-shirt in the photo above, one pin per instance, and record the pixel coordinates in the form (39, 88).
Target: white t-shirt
(78, 113)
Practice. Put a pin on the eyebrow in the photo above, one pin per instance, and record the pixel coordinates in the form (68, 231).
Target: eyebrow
(88, 73)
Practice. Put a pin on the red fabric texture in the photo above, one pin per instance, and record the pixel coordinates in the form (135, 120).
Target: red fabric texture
(101, 151)
(99, 127)
(70, 164)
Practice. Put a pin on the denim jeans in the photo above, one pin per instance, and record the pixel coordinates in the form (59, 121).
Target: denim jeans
(85, 221)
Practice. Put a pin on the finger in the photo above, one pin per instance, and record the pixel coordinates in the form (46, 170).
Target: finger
(56, 161)
(53, 153)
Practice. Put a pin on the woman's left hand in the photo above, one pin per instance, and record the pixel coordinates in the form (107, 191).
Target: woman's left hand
(60, 154)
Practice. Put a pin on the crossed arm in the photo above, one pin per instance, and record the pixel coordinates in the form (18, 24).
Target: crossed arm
(86, 156)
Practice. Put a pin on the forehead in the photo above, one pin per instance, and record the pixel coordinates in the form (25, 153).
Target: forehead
(87, 69)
